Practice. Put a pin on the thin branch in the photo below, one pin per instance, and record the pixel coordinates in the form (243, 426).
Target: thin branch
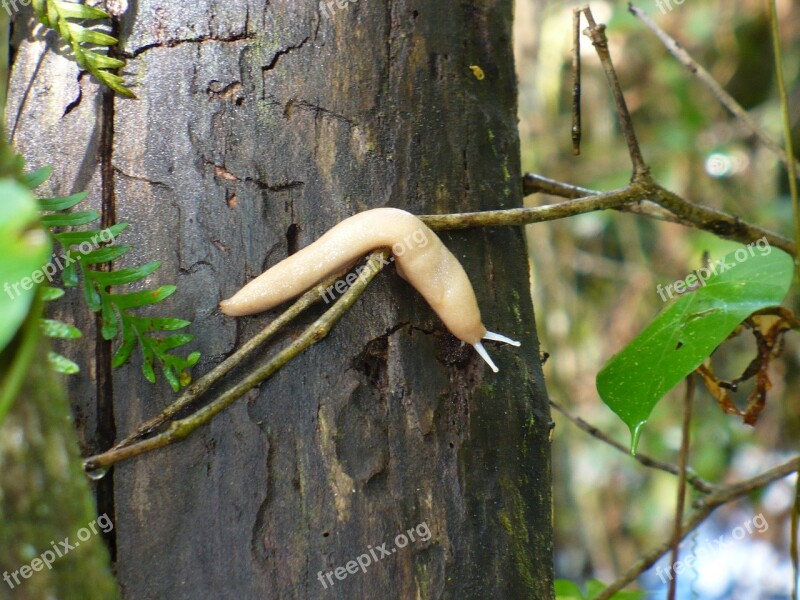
(597, 33)
(196, 389)
(692, 478)
(576, 81)
(706, 78)
(704, 507)
(787, 122)
(178, 430)
(682, 465)
(687, 213)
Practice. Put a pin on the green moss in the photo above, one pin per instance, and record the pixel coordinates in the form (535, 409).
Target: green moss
(512, 519)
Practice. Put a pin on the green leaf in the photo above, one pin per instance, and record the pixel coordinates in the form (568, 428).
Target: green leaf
(109, 325)
(62, 364)
(36, 178)
(69, 276)
(161, 324)
(686, 332)
(124, 276)
(123, 353)
(147, 362)
(85, 35)
(93, 236)
(568, 590)
(173, 341)
(594, 587)
(172, 378)
(143, 298)
(90, 293)
(70, 10)
(25, 248)
(103, 61)
(53, 204)
(105, 254)
(51, 293)
(71, 219)
(60, 330)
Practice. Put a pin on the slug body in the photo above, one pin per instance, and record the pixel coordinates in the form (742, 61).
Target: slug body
(420, 256)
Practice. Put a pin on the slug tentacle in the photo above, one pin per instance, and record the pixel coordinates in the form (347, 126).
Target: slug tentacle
(420, 256)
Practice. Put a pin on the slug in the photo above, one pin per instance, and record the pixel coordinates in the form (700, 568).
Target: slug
(420, 256)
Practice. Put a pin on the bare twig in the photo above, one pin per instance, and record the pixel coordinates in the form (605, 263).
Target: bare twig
(704, 507)
(708, 80)
(692, 478)
(637, 199)
(196, 389)
(787, 123)
(181, 428)
(576, 81)
(683, 462)
(597, 33)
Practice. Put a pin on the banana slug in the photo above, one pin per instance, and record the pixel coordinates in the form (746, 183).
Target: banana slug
(419, 255)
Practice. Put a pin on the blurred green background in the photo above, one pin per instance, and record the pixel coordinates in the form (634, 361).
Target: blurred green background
(594, 277)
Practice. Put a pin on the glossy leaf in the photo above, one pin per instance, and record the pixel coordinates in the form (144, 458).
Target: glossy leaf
(25, 249)
(685, 333)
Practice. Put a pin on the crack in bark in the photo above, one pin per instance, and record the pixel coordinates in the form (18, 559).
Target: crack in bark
(221, 172)
(239, 37)
(281, 53)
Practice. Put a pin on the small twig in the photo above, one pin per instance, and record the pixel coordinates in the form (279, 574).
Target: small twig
(682, 463)
(637, 197)
(196, 389)
(181, 428)
(576, 81)
(704, 507)
(793, 551)
(692, 478)
(706, 78)
(787, 123)
(597, 33)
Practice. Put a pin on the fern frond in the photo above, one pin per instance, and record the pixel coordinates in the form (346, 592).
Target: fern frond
(58, 15)
(118, 319)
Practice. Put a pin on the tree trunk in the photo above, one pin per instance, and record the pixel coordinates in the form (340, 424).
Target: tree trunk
(50, 537)
(259, 125)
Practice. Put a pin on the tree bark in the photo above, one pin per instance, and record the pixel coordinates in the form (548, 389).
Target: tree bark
(259, 125)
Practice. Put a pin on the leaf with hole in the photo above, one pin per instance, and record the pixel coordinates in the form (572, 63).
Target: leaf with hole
(687, 331)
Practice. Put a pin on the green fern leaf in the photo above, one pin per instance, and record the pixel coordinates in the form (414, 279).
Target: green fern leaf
(124, 276)
(58, 15)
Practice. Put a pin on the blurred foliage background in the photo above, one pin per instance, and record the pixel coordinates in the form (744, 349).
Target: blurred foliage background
(594, 277)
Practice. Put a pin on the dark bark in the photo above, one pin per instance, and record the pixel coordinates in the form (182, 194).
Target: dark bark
(259, 126)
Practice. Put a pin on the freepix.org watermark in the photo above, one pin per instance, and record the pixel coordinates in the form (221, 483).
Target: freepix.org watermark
(709, 547)
(699, 277)
(327, 6)
(420, 533)
(61, 549)
(12, 6)
(415, 239)
(50, 270)
(666, 5)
